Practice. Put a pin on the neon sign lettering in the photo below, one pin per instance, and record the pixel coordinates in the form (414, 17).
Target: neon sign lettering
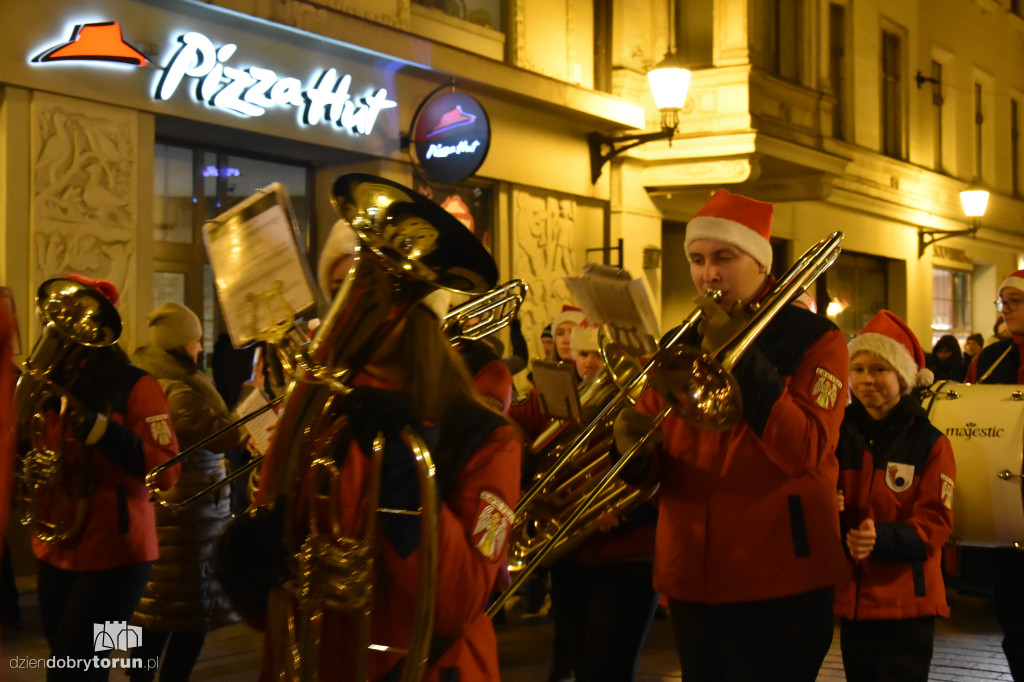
(250, 90)
(214, 172)
(439, 151)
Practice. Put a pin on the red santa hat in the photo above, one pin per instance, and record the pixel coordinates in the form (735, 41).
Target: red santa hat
(106, 288)
(735, 219)
(1015, 280)
(889, 337)
(584, 337)
(569, 313)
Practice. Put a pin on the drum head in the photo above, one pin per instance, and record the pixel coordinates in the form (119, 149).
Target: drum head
(985, 425)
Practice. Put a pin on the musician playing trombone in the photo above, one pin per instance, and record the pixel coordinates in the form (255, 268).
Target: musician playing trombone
(748, 548)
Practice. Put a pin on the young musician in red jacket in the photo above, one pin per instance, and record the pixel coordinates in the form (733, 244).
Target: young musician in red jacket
(118, 432)
(1002, 362)
(747, 549)
(417, 379)
(896, 473)
(601, 592)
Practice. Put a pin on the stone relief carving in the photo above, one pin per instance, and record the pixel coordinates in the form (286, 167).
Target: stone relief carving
(544, 254)
(85, 194)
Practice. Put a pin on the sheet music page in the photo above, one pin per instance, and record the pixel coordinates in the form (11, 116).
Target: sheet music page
(257, 427)
(610, 295)
(556, 385)
(261, 277)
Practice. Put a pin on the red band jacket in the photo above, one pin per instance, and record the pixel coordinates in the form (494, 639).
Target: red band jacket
(477, 502)
(633, 538)
(120, 526)
(750, 513)
(900, 472)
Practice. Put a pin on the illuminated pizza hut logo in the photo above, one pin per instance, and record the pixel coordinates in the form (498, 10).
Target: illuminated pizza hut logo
(100, 42)
(450, 136)
(452, 119)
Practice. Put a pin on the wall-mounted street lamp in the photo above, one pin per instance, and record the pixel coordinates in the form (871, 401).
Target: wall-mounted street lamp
(974, 200)
(669, 83)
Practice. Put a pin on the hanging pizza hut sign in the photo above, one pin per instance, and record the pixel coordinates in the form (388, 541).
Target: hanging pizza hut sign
(450, 136)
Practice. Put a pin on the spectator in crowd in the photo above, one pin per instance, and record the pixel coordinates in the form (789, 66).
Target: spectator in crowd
(972, 346)
(946, 362)
(183, 601)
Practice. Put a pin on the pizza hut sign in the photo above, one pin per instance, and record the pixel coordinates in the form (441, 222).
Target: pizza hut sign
(450, 136)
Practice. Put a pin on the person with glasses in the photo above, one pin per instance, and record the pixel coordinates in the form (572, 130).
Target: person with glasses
(1003, 363)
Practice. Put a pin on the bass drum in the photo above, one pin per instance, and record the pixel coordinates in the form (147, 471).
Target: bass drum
(985, 424)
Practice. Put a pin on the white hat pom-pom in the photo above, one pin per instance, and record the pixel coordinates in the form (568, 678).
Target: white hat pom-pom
(925, 377)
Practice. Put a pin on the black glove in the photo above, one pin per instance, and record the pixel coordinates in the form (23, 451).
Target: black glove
(373, 411)
(87, 423)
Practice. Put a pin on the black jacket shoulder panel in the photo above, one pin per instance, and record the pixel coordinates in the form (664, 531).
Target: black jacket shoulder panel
(1006, 371)
(784, 341)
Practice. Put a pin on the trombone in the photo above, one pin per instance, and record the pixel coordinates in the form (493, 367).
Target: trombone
(708, 397)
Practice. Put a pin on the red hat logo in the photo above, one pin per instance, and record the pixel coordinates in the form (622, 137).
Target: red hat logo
(95, 42)
(453, 118)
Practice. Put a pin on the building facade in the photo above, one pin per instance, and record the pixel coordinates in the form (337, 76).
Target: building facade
(858, 116)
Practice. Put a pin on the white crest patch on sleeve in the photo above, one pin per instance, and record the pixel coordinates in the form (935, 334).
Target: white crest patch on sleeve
(493, 521)
(826, 388)
(947, 491)
(160, 428)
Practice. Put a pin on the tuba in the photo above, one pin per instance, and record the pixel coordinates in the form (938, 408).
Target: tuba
(315, 567)
(74, 316)
(700, 389)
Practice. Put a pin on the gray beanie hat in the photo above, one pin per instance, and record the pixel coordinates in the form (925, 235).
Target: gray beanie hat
(172, 325)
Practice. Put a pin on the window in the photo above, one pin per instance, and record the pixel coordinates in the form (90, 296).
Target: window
(190, 186)
(602, 45)
(892, 95)
(1015, 146)
(857, 287)
(979, 120)
(937, 103)
(837, 67)
(486, 13)
(951, 303)
(781, 38)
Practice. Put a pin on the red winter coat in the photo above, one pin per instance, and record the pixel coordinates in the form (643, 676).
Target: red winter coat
(475, 518)
(120, 527)
(900, 472)
(750, 513)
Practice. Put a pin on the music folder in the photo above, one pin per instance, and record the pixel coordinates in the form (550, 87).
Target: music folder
(556, 387)
(262, 279)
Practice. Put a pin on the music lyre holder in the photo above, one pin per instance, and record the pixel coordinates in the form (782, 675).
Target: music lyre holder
(273, 304)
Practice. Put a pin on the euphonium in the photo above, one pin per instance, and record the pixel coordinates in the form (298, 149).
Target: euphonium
(409, 246)
(700, 390)
(74, 316)
(568, 470)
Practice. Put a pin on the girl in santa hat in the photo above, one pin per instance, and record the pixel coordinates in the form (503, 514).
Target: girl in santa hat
(897, 475)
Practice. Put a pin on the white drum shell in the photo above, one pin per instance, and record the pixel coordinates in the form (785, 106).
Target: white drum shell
(985, 425)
